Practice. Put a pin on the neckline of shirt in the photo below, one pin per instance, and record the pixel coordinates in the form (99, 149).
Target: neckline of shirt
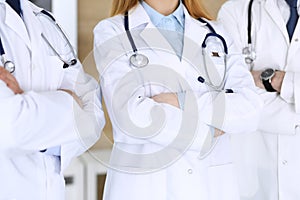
(157, 17)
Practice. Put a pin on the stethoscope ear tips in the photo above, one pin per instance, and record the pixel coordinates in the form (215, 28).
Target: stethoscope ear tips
(201, 79)
(72, 62)
(66, 65)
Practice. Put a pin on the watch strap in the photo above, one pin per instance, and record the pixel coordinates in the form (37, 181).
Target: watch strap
(268, 86)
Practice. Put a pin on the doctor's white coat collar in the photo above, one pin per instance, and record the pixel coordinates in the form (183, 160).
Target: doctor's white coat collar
(141, 17)
(15, 22)
(138, 17)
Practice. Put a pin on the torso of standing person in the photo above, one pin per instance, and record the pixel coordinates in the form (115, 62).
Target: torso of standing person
(23, 44)
(189, 177)
(271, 169)
(42, 117)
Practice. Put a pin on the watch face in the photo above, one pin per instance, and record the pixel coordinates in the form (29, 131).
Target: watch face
(267, 74)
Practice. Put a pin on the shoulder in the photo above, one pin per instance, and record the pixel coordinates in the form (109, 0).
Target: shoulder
(220, 30)
(34, 7)
(235, 4)
(109, 28)
(234, 7)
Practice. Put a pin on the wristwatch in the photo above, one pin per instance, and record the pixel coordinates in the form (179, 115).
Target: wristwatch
(266, 77)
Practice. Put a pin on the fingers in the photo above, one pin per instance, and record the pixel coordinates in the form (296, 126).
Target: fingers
(257, 79)
(169, 98)
(10, 81)
(218, 132)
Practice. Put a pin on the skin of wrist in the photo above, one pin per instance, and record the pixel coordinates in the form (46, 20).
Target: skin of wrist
(277, 80)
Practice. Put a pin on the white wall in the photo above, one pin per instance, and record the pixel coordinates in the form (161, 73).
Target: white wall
(65, 12)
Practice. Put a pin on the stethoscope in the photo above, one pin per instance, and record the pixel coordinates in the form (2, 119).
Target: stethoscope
(213, 33)
(248, 51)
(139, 60)
(7, 64)
(10, 66)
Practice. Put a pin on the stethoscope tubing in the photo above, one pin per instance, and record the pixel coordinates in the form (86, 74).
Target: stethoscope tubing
(212, 34)
(130, 38)
(51, 18)
(249, 28)
(71, 62)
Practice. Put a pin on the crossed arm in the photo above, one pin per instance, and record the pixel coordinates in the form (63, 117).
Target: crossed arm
(10, 81)
(13, 84)
(171, 98)
(276, 80)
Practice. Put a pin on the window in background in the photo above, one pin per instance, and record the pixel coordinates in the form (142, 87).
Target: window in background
(46, 4)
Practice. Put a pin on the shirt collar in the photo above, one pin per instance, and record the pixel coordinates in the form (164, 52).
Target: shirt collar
(179, 14)
(156, 17)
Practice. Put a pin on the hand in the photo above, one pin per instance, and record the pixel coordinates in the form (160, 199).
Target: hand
(277, 80)
(75, 97)
(10, 81)
(169, 98)
(257, 79)
(218, 132)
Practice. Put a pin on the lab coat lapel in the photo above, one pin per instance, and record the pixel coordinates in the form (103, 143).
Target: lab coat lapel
(15, 23)
(34, 26)
(150, 34)
(35, 31)
(293, 49)
(193, 38)
(274, 12)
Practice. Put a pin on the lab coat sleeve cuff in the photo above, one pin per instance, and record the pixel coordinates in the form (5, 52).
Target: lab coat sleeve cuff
(53, 151)
(287, 88)
(181, 99)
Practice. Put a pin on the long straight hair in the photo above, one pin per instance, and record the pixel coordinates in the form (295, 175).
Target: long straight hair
(194, 7)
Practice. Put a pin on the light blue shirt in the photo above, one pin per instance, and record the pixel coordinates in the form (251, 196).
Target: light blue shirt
(171, 26)
(54, 151)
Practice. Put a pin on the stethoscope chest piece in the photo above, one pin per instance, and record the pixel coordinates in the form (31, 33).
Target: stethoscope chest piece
(249, 54)
(139, 60)
(9, 66)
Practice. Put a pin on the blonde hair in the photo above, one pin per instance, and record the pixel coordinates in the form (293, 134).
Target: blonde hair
(194, 7)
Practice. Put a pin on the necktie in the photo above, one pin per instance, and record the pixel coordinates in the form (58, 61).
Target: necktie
(293, 17)
(16, 5)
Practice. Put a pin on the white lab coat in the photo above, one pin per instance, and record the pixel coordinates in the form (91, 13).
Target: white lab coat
(42, 117)
(269, 159)
(187, 177)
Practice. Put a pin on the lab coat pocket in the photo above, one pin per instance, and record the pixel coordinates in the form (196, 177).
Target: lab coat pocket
(222, 183)
(221, 177)
(221, 153)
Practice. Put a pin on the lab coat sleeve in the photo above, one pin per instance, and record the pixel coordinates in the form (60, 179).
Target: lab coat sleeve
(227, 17)
(237, 112)
(290, 89)
(88, 120)
(35, 121)
(282, 109)
(276, 110)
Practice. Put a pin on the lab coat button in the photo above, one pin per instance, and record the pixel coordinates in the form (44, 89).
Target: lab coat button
(190, 171)
(284, 162)
(296, 40)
